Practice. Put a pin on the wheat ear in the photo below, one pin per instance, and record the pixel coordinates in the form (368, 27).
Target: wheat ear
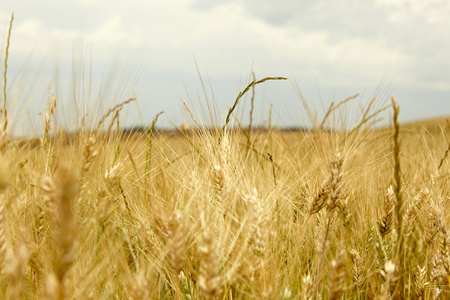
(335, 187)
(320, 199)
(4, 179)
(386, 222)
(258, 223)
(358, 271)
(420, 279)
(3, 242)
(209, 280)
(140, 287)
(409, 220)
(336, 280)
(307, 287)
(177, 240)
(89, 153)
(316, 205)
(398, 196)
(389, 276)
(432, 223)
(66, 191)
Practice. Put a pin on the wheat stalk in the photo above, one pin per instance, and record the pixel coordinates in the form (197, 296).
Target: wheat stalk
(332, 108)
(148, 155)
(5, 114)
(116, 109)
(398, 196)
(242, 93)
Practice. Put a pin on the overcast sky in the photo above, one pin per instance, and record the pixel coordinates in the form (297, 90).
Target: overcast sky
(159, 49)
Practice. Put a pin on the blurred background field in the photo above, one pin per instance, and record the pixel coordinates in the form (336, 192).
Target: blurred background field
(347, 202)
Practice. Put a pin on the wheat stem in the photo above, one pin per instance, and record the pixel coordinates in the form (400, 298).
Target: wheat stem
(5, 115)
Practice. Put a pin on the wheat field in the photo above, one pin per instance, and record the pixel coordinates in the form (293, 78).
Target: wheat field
(226, 212)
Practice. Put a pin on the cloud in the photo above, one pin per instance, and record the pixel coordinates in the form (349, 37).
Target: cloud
(406, 37)
(359, 39)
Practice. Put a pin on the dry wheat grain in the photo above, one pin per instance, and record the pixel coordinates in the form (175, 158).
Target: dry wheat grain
(3, 241)
(386, 222)
(258, 222)
(420, 279)
(177, 241)
(358, 271)
(336, 281)
(209, 280)
(409, 219)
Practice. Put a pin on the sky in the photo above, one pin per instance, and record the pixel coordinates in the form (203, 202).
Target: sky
(94, 54)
